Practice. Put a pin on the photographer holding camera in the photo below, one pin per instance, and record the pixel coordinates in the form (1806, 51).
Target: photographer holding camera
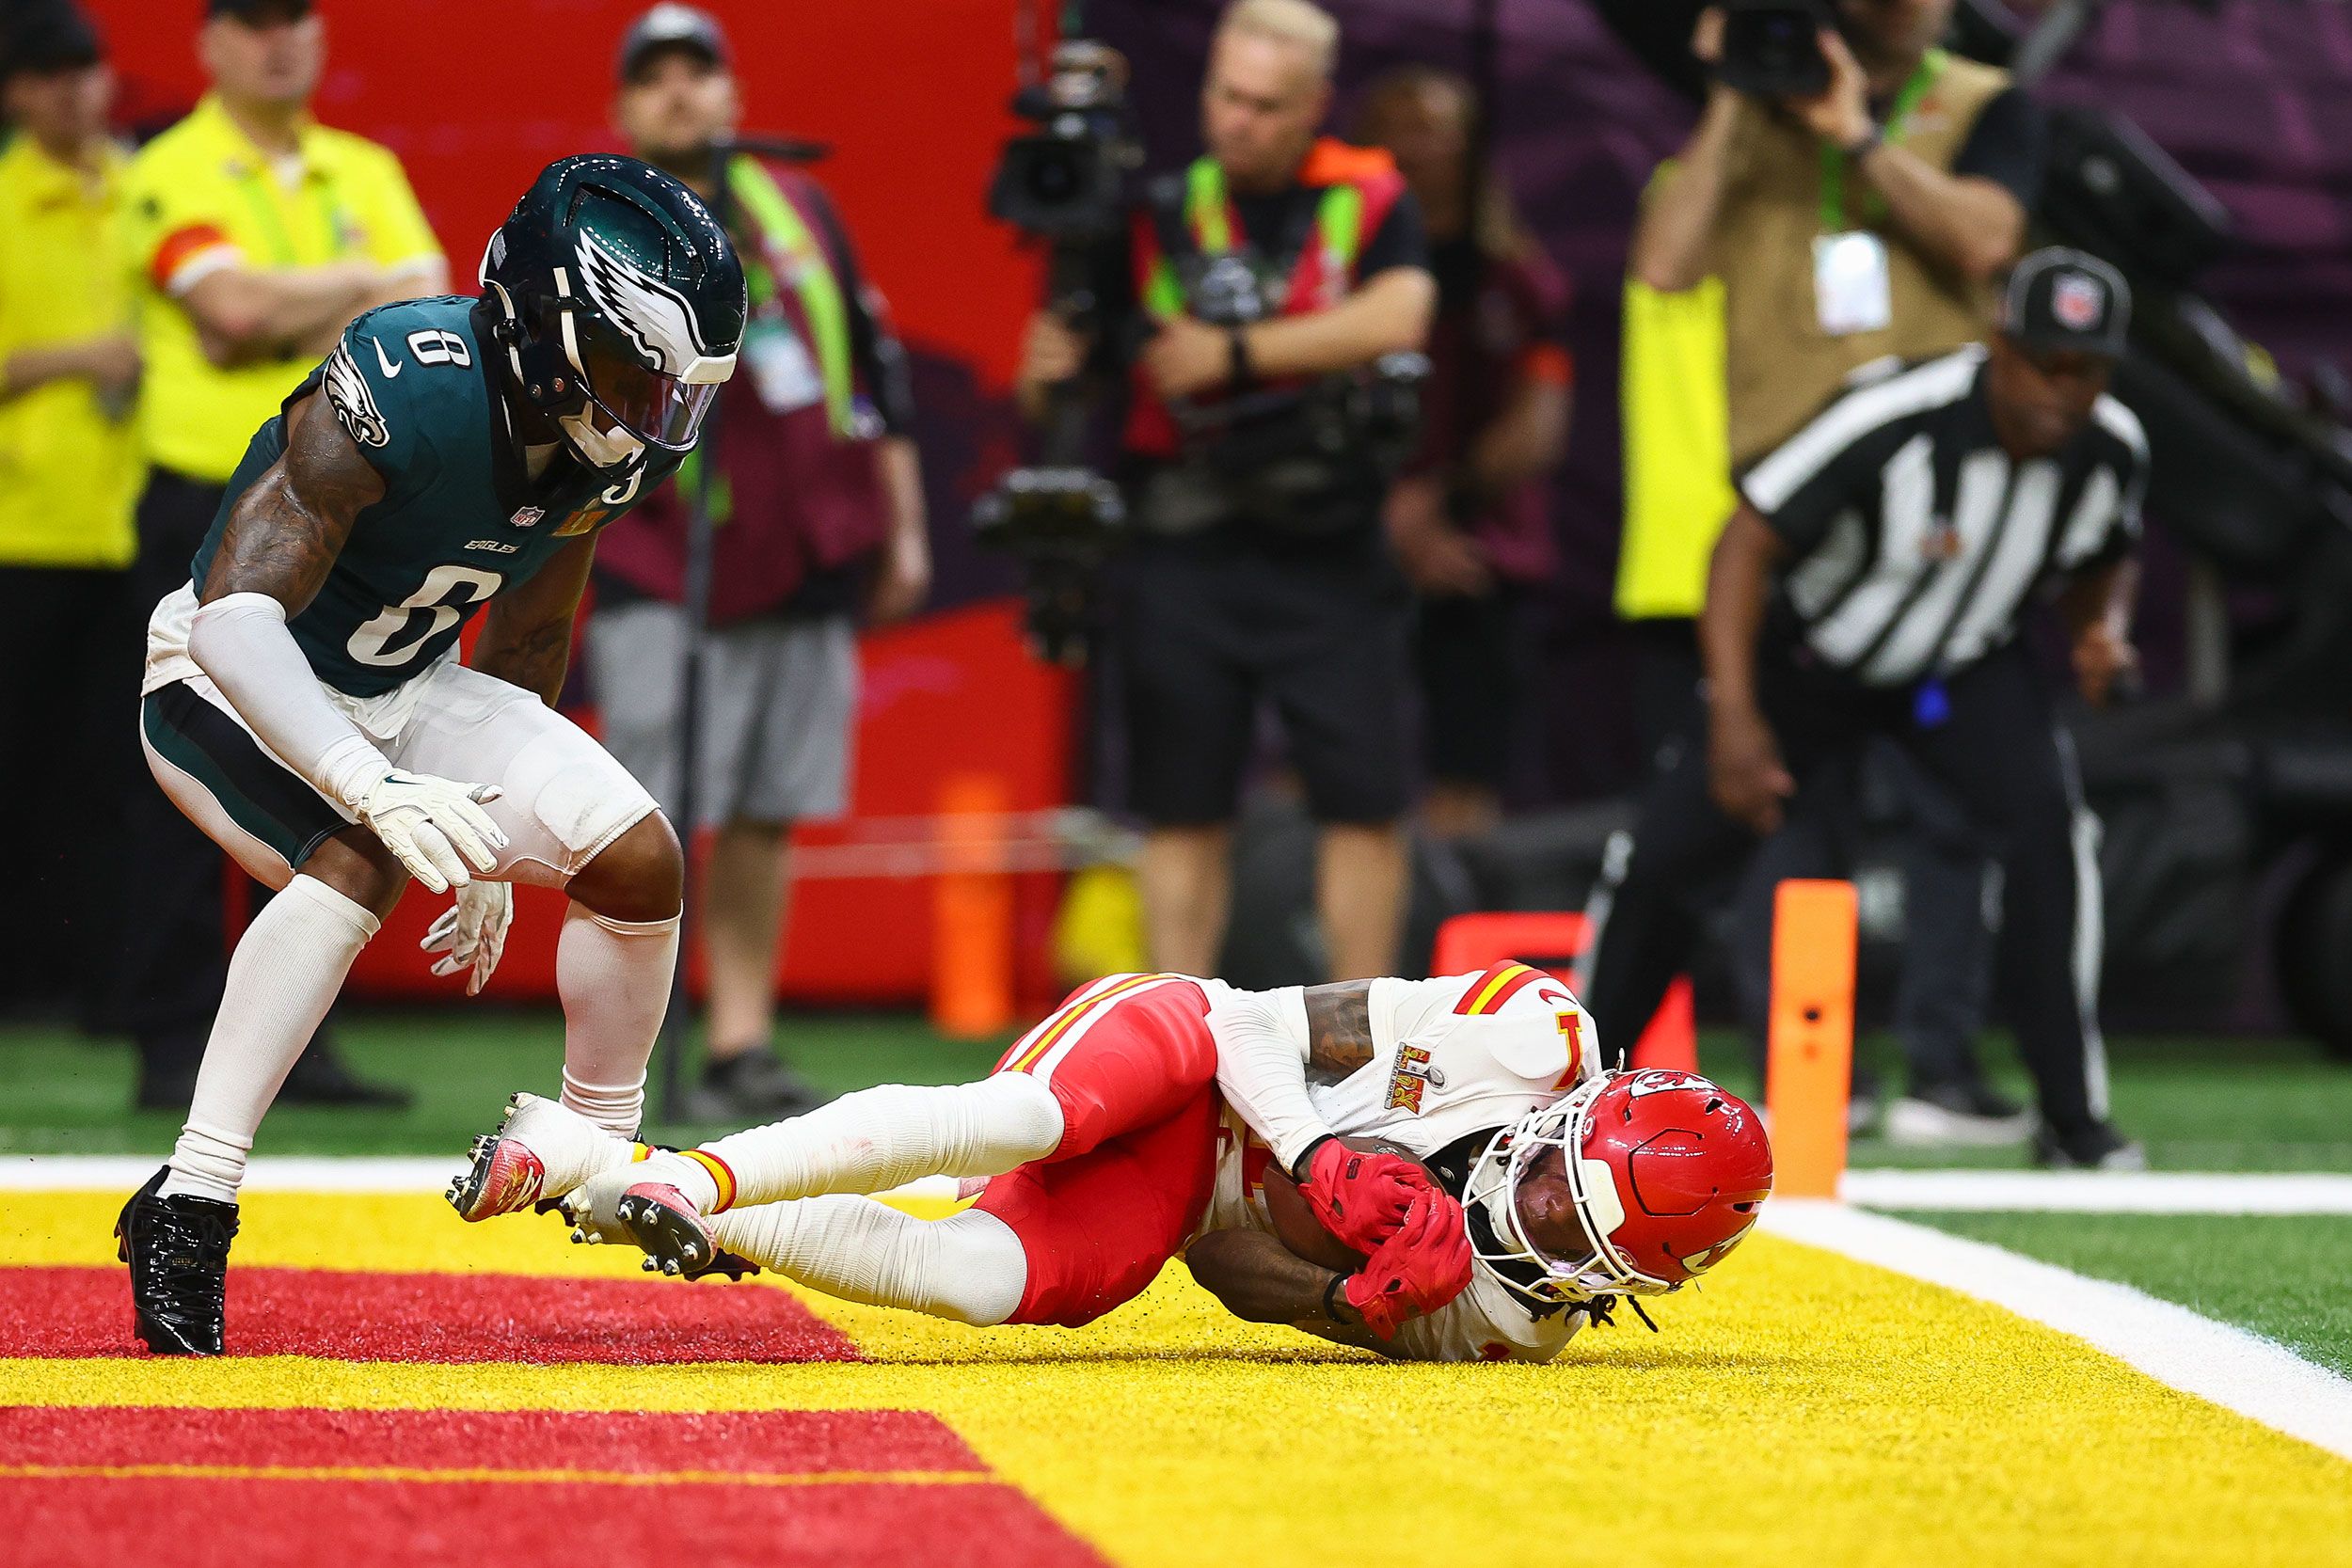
(1868, 218)
(1256, 307)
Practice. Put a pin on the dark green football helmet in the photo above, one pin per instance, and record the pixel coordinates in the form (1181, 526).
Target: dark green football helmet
(621, 305)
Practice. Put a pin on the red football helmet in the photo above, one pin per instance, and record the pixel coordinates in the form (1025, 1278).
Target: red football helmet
(1667, 1172)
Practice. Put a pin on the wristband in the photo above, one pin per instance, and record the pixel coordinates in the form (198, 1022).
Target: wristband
(1300, 1166)
(1239, 371)
(1328, 1310)
(1866, 144)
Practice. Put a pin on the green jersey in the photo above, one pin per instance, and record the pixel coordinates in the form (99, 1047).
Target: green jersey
(460, 520)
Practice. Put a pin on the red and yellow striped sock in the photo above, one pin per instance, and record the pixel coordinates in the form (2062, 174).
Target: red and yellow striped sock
(720, 1176)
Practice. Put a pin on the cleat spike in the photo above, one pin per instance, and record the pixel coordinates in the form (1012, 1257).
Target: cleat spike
(579, 1237)
(669, 1265)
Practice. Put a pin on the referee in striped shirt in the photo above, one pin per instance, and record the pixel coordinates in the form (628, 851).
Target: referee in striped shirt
(1871, 582)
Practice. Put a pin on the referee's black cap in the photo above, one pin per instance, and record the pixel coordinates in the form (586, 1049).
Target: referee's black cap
(48, 37)
(2064, 299)
(671, 27)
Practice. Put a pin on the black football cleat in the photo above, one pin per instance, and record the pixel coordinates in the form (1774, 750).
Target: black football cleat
(733, 1265)
(675, 1237)
(178, 1249)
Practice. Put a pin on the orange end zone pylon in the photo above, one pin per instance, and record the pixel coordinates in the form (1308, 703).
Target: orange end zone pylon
(972, 936)
(1811, 1070)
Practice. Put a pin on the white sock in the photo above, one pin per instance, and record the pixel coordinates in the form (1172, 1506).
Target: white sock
(282, 978)
(613, 976)
(969, 1266)
(571, 1147)
(872, 1141)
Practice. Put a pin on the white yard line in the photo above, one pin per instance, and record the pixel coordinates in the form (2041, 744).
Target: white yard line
(2231, 1367)
(2052, 1191)
(124, 1173)
(2102, 1192)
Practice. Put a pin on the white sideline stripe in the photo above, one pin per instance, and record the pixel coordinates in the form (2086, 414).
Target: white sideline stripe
(107, 1173)
(2090, 1192)
(2233, 1368)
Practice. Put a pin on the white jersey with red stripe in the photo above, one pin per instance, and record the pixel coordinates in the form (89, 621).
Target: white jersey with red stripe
(1452, 1058)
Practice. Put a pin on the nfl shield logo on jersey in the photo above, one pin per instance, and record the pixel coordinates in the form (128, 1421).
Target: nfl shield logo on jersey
(2077, 302)
(528, 517)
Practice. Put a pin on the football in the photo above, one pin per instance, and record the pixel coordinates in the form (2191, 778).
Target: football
(1295, 1223)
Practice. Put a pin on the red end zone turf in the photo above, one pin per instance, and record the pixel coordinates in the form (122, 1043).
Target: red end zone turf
(434, 1317)
(254, 1488)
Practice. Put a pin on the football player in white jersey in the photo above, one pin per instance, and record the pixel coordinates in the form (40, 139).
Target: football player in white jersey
(1157, 1116)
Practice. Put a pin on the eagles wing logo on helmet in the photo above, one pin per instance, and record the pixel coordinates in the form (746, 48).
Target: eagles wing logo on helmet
(354, 407)
(658, 319)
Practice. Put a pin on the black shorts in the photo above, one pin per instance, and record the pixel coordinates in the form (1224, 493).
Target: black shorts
(1471, 655)
(1208, 631)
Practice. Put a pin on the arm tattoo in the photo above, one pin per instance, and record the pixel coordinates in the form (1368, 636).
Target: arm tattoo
(532, 657)
(527, 635)
(285, 531)
(1339, 1026)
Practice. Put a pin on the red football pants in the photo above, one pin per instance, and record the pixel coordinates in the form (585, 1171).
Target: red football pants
(1133, 1063)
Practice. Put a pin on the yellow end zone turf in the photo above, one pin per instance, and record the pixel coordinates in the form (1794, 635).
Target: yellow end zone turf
(1804, 1410)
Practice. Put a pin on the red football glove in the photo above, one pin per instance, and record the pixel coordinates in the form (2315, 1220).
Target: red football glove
(1418, 1270)
(1360, 1198)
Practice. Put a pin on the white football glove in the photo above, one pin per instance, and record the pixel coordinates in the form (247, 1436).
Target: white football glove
(436, 825)
(472, 933)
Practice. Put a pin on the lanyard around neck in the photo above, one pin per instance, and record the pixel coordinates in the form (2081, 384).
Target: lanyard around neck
(1833, 159)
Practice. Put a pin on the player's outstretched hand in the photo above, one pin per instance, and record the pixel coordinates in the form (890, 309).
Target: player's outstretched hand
(1361, 1195)
(436, 825)
(1425, 1264)
(472, 933)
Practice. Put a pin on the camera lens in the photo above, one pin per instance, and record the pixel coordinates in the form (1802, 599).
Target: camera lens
(1054, 176)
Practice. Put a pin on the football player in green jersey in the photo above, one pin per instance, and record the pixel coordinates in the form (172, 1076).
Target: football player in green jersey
(304, 703)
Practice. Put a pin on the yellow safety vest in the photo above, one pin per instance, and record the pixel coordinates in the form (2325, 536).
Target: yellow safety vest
(202, 196)
(68, 463)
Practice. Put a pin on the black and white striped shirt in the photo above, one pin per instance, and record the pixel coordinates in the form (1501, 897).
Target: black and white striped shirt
(1916, 540)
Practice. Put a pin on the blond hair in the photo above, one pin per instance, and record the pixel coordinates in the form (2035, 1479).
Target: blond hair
(1299, 21)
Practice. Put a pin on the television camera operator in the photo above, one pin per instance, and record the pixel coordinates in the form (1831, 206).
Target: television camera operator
(1262, 307)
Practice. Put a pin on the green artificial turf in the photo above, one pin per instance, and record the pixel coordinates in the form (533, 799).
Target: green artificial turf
(65, 1095)
(2198, 1102)
(2282, 1276)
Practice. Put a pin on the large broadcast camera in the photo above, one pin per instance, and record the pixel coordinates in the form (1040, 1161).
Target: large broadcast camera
(1066, 184)
(1289, 457)
(1295, 458)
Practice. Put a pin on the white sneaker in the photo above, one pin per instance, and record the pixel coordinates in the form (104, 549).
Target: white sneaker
(541, 1151)
(1926, 1124)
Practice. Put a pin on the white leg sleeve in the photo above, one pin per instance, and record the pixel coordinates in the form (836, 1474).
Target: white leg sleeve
(287, 969)
(969, 1267)
(613, 976)
(877, 1139)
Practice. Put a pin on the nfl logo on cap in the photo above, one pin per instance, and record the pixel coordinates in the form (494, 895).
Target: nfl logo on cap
(2077, 301)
